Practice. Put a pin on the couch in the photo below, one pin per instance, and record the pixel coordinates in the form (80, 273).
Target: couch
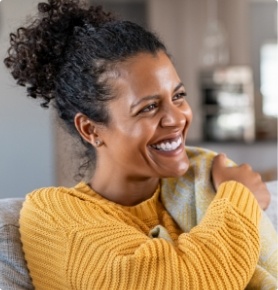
(13, 271)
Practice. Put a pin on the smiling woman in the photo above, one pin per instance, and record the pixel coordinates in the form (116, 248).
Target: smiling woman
(149, 119)
(154, 214)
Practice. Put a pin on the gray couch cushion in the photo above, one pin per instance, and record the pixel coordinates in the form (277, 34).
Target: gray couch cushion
(13, 271)
(272, 210)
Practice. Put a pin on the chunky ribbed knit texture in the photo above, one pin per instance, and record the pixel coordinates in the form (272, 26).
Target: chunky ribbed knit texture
(75, 239)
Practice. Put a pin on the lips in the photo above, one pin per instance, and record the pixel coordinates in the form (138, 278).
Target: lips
(169, 145)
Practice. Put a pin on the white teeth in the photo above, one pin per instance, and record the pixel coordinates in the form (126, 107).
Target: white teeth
(168, 146)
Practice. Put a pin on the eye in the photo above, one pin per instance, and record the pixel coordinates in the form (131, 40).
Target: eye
(180, 95)
(149, 108)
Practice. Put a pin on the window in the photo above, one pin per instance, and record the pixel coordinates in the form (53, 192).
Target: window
(269, 73)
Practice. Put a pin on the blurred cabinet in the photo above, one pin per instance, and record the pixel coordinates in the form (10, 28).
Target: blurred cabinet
(227, 104)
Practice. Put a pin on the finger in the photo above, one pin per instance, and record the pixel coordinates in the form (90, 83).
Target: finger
(218, 165)
(246, 166)
(219, 162)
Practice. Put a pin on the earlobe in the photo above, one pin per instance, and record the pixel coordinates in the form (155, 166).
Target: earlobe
(87, 129)
(98, 142)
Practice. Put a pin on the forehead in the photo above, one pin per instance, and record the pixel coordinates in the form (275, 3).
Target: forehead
(146, 73)
(148, 62)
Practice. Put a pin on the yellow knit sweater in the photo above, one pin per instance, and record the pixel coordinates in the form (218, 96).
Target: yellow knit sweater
(75, 239)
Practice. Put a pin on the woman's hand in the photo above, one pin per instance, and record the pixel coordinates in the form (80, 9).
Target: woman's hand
(243, 174)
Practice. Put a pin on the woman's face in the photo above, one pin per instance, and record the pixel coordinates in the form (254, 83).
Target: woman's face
(149, 120)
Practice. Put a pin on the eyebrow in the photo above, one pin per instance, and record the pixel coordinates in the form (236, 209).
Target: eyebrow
(154, 97)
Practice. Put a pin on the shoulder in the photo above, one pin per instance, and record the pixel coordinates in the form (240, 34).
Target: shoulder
(46, 197)
(197, 151)
(197, 154)
(62, 206)
(201, 158)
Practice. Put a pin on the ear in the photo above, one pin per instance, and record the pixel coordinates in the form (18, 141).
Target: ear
(87, 129)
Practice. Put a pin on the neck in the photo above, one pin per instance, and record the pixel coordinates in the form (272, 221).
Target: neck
(124, 190)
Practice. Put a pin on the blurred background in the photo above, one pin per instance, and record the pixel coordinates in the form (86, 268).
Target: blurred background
(226, 54)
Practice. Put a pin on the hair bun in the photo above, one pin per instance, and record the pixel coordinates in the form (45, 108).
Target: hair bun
(44, 7)
(36, 52)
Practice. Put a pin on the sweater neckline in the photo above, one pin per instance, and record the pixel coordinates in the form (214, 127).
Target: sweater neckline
(150, 203)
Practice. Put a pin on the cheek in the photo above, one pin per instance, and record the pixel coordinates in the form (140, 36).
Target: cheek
(130, 137)
(141, 129)
(188, 112)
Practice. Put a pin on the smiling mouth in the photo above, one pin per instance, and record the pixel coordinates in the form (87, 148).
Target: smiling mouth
(169, 145)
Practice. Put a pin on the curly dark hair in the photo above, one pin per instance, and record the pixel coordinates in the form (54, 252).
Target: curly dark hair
(65, 54)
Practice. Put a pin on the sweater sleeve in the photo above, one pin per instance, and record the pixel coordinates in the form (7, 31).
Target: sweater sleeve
(220, 253)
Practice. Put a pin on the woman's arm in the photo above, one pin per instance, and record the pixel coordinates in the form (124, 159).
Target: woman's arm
(220, 253)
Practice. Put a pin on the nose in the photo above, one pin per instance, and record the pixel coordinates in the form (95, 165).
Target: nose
(175, 116)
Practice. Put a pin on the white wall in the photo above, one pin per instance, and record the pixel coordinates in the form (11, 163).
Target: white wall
(26, 150)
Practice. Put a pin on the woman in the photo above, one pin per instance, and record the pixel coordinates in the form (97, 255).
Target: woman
(143, 219)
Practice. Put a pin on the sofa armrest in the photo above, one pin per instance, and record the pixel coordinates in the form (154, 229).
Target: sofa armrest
(13, 270)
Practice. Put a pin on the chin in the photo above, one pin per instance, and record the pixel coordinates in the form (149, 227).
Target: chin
(175, 172)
